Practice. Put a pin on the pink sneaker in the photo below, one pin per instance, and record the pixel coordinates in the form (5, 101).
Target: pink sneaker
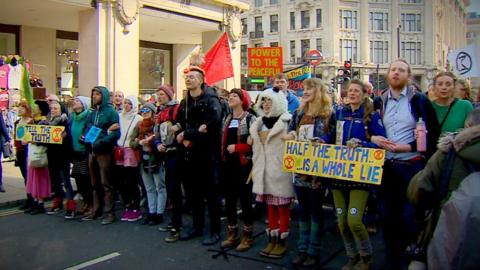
(135, 215)
(127, 213)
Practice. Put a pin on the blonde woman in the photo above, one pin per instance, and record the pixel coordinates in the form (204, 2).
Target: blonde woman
(313, 121)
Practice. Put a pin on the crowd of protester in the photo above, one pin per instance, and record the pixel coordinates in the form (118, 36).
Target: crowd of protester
(190, 153)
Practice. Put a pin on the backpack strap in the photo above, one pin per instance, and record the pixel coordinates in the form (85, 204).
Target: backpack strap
(446, 174)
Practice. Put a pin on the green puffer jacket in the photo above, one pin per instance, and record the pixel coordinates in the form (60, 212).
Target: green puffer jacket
(103, 116)
(467, 147)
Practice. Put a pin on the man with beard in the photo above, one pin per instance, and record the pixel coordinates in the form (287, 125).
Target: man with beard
(101, 135)
(401, 107)
(199, 124)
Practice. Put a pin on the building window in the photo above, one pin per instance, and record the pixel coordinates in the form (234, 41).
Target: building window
(378, 21)
(244, 26)
(348, 19)
(273, 44)
(273, 23)
(273, 2)
(348, 49)
(379, 52)
(411, 22)
(292, 51)
(305, 17)
(258, 24)
(412, 1)
(155, 68)
(292, 20)
(243, 53)
(305, 46)
(319, 44)
(258, 45)
(411, 51)
(258, 3)
(319, 18)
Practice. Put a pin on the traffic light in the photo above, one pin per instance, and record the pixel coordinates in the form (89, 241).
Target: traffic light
(333, 83)
(340, 75)
(347, 65)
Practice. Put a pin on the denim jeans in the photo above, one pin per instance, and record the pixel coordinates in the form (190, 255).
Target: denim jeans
(156, 189)
(59, 171)
(310, 219)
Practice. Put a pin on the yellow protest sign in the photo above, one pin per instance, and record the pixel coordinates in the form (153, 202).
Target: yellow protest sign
(298, 72)
(39, 133)
(363, 165)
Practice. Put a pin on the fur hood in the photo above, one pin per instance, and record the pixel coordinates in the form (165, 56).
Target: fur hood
(466, 136)
(459, 140)
(279, 103)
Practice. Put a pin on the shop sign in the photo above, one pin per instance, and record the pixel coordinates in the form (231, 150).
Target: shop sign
(363, 165)
(265, 61)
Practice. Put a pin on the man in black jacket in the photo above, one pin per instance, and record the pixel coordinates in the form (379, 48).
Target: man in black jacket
(199, 127)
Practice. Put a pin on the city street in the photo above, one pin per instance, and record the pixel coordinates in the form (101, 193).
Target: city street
(51, 242)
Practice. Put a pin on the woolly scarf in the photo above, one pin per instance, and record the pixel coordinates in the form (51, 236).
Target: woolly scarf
(146, 130)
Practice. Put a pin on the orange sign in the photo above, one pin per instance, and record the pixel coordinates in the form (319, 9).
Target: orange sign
(265, 61)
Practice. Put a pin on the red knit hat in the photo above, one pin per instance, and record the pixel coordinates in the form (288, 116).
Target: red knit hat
(167, 89)
(244, 97)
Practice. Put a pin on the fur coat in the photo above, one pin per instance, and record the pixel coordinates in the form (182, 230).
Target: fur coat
(267, 173)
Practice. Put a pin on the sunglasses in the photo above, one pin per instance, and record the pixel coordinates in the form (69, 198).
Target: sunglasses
(145, 110)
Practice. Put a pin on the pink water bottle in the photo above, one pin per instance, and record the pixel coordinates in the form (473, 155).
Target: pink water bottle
(421, 136)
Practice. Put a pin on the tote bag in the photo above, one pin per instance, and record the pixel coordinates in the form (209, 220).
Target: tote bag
(37, 156)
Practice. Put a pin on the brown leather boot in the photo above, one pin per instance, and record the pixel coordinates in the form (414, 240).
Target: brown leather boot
(281, 247)
(232, 237)
(247, 239)
(365, 263)
(352, 261)
(272, 236)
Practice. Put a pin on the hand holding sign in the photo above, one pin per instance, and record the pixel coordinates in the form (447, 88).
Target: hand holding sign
(334, 161)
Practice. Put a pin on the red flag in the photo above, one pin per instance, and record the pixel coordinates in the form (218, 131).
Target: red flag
(218, 62)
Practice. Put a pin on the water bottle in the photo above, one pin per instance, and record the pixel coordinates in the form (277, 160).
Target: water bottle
(421, 136)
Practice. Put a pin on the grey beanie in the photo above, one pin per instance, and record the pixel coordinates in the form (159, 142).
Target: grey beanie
(149, 106)
(86, 101)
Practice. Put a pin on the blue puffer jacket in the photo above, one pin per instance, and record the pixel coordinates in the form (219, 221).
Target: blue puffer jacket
(354, 126)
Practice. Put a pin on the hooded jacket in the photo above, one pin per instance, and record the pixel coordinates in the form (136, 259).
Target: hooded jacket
(77, 124)
(267, 173)
(129, 123)
(467, 148)
(103, 117)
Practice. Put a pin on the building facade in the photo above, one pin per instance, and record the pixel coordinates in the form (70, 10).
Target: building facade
(128, 45)
(370, 32)
(473, 37)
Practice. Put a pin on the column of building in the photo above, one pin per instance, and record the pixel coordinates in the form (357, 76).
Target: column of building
(364, 39)
(110, 55)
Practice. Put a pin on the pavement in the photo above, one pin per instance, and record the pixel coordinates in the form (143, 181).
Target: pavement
(14, 186)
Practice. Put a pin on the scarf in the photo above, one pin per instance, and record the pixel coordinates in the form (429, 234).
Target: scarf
(270, 121)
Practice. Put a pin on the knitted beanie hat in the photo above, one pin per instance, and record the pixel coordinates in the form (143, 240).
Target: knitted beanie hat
(149, 106)
(168, 90)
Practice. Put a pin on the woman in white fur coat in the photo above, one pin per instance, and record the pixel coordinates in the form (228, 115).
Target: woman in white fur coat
(270, 183)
